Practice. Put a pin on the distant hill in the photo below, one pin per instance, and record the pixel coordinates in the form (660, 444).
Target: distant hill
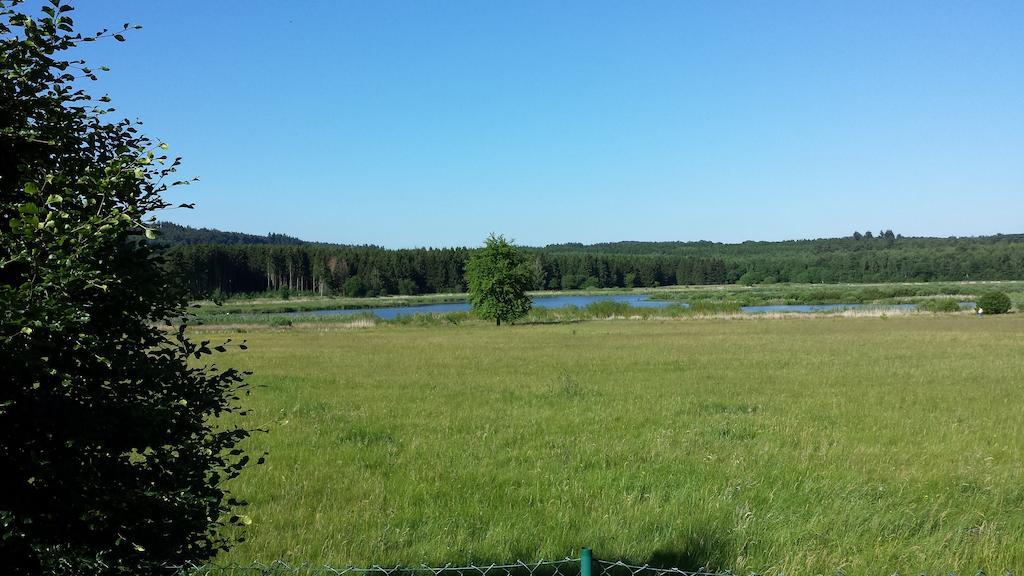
(857, 242)
(171, 233)
(230, 262)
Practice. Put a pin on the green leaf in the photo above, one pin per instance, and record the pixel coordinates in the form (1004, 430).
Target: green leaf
(65, 263)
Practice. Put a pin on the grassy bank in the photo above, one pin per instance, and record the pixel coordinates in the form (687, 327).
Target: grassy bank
(594, 311)
(807, 445)
(308, 303)
(911, 293)
(934, 297)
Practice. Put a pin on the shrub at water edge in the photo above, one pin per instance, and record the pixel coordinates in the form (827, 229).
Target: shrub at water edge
(994, 303)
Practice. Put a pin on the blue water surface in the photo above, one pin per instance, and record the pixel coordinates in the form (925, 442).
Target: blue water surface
(582, 301)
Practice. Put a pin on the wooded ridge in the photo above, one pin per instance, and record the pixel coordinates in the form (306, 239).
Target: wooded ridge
(212, 261)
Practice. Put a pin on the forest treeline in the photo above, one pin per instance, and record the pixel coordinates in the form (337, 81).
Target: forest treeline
(171, 233)
(241, 263)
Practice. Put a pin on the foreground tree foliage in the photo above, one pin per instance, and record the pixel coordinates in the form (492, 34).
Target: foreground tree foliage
(110, 457)
(498, 277)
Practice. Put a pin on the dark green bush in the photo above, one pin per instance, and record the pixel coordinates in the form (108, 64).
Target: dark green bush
(749, 279)
(353, 287)
(117, 435)
(994, 303)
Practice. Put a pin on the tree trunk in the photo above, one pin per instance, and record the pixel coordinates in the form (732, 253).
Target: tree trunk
(498, 320)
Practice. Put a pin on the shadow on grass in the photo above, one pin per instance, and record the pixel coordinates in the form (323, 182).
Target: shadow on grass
(696, 553)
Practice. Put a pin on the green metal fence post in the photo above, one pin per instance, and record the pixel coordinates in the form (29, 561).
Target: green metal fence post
(586, 562)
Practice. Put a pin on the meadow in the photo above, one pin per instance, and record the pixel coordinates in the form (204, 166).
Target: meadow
(801, 445)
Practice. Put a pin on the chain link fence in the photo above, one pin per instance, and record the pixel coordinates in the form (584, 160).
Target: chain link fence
(566, 567)
(604, 568)
(585, 565)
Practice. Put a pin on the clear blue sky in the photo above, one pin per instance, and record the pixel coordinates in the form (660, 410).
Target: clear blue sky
(424, 123)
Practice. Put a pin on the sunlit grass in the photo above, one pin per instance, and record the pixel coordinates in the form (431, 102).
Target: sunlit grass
(803, 445)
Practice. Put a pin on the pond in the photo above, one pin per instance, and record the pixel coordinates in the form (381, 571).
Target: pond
(582, 301)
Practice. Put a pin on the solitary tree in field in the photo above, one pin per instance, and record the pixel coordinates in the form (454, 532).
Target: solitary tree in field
(111, 457)
(498, 277)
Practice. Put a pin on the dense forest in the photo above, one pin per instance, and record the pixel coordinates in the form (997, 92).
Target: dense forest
(171, 233)
(214, 262)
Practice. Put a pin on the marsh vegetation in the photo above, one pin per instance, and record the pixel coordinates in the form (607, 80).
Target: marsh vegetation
(673, 301)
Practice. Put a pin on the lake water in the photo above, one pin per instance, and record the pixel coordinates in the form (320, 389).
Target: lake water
(582, 301)
(390, 313)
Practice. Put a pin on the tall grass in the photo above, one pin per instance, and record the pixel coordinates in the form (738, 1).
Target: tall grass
(806, 446)
(939, 305)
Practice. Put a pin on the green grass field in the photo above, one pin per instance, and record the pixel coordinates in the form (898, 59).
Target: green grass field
(803, 445)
